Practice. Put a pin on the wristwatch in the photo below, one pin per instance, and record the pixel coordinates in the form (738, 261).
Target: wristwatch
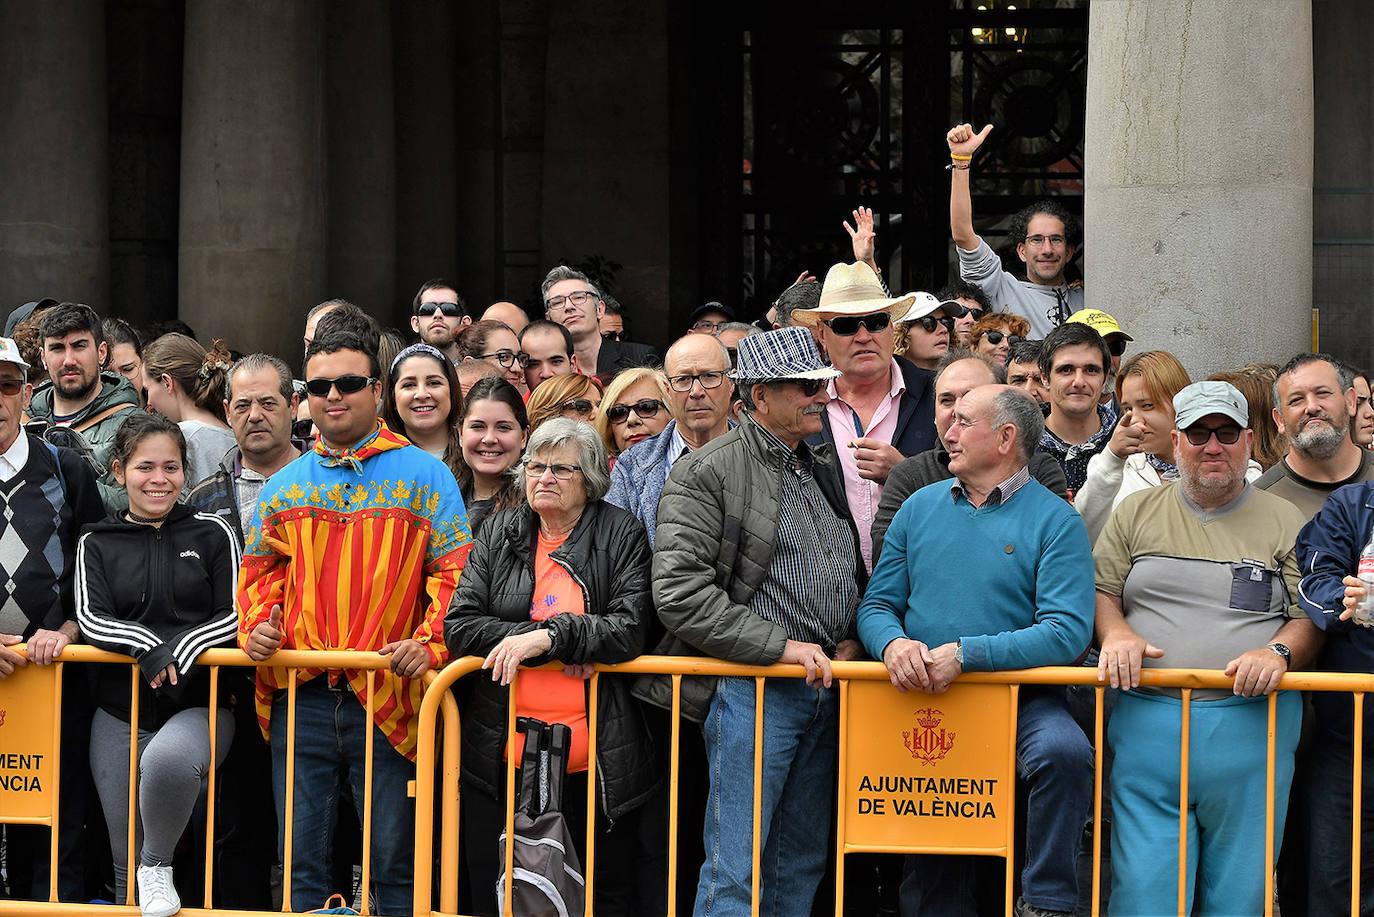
(959, 652)
(1283, 651)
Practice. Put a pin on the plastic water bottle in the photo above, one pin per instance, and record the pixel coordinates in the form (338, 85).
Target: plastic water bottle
(1364, 614)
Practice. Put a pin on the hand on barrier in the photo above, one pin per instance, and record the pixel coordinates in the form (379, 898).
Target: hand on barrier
(583, 671)
(906, 662)
(1120, 658)
(409, 658)
(46, 645)
(1256, 672)
(809, 655)
(943, 667)
(168, 675)
(849, 651)
(861, 234)
(1354, 597)
(506, 657)
(963, 141)
(266, 638)
(9, 659)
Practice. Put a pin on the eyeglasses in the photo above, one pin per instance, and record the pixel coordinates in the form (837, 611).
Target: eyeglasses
(580, 298)
(506, 358)
(848, 325)
(995, 337)
(708, 380)
(707, 325)
(645, 408)
(808, 387)
(613, 335)
(1228, 435)
(11, 386)
(450, 309)
(577, 406)
(561, 472)
(929, 323)
(347, 385)
(1116, 347)
(1055, 241)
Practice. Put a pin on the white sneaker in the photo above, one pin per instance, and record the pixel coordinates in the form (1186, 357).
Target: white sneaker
(157, 896)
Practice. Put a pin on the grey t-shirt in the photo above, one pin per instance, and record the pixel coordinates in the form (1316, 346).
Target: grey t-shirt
(1044, 307)
(205, 447)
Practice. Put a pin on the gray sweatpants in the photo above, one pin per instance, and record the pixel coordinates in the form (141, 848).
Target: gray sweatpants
(173, 762)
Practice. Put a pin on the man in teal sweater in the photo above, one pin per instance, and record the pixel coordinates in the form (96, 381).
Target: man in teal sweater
(1030, 604)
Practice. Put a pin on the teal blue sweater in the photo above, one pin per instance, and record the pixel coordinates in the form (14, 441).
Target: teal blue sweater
(1013, 581)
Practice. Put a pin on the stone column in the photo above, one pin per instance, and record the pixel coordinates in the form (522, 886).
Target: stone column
(1199, 176)
(54, 197)
(252, 240)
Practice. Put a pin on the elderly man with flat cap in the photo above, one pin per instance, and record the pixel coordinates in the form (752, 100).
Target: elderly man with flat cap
(881, 407)
(1200, 574)
(757, 562)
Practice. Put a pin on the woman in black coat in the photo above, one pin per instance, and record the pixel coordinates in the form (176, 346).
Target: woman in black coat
(564, 577)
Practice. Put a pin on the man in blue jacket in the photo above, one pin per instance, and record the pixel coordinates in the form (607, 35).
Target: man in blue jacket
(1030, 605)
(1328, 555)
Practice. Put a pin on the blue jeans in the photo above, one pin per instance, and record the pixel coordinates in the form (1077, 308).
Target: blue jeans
(800, 729)
(1226, 790)
(331, 736)
(1055, 761)
(1329, 791)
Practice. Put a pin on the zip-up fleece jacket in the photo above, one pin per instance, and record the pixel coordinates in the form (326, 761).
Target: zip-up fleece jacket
(162, 595)
(98, 422)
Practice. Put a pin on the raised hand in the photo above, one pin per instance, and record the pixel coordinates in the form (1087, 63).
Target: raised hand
(963, 141)
(861, 235)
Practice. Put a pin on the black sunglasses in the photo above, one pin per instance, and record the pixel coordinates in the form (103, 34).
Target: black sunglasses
(577, 406)
(808, 387)
(450, 309)
(1116, 348)
(995, 337)
(848, 325)
(929, 323)
(645, 408)
(1227, 435)
(347, 385)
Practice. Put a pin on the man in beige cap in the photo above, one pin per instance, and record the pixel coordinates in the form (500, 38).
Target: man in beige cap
(882, 408)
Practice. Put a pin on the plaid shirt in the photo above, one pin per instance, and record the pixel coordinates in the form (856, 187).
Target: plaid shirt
(810, 591)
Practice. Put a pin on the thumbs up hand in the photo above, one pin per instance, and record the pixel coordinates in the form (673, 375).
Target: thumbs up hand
(266, 638)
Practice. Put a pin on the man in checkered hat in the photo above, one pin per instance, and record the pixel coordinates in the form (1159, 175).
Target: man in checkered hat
(758, 562)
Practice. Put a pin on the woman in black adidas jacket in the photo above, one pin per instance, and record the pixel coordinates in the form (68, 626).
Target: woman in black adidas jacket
(156, 583)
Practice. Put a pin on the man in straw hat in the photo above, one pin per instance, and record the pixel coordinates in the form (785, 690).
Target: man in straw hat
(882, 408)
(757, 563)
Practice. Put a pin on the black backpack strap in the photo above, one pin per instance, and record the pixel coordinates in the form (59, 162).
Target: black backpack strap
(554, 761)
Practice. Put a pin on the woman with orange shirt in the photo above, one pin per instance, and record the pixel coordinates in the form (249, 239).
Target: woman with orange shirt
(563, 578)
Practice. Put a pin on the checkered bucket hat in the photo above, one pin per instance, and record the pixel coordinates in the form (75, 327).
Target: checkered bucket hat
(784, 353)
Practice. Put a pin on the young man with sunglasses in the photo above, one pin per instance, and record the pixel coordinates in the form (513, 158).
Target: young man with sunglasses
(1201, 574)
(389, 536)
(1044, 233)
(882, 408)
(1075, 361)
(572, 301)
(437, 314)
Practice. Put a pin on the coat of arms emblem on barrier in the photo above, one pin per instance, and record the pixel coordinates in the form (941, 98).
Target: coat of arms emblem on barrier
(927, 741)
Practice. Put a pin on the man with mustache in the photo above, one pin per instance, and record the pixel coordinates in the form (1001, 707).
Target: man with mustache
(1314, 399)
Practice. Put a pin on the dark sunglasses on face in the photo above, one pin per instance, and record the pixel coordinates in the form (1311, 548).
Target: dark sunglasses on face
(347, 385)
(848, 325)
(929, 323)
(809, 387)
(995, 337)
(1116, 348)
(1228, 435)
(450, 309)
(577, 406)
(619, 413)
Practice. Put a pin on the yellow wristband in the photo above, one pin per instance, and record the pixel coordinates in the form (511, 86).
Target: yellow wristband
(959, 158)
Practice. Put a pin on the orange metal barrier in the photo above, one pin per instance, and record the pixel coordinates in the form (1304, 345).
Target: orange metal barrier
(438, 700)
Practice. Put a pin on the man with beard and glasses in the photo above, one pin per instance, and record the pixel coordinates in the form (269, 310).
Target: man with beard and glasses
(80, 397)
(1314, 400)
(1200, 574)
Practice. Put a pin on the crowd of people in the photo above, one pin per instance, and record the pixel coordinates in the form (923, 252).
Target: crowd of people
(992, 477)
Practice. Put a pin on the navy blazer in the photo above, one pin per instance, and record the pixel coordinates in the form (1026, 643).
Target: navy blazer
(915, 431)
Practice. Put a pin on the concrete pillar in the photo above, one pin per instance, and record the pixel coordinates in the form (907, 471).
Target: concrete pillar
(1198, 212)
(606, 149)
(360, 113)
(252, 238)
(54, 197)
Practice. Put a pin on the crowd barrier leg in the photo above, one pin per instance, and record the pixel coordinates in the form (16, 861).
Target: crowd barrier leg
(367, 795)
(210, 790)
(1183, 803)
(131, 876)
(1099, 700)
(1269, 858)
(1356, 808)
(673, 774)
(589, 866)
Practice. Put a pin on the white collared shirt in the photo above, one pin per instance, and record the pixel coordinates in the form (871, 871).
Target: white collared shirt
(14, 458)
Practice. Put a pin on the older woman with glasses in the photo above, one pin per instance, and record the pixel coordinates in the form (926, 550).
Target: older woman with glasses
(563, 577)
(570, 395)
(498, 345)
(634, 408)
(994, 333)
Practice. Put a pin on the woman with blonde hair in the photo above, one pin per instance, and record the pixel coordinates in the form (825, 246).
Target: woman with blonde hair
(634, 408)
(185, 384)
(570, 395)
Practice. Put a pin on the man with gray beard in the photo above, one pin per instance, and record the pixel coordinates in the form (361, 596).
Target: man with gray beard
(1314, 399)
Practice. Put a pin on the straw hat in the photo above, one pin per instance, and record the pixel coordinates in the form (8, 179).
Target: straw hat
(852, 289)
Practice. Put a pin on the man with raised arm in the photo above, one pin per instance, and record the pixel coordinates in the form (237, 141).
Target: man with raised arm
(1045, 234)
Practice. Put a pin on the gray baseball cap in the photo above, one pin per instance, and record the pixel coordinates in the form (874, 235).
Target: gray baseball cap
(1198, 400)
